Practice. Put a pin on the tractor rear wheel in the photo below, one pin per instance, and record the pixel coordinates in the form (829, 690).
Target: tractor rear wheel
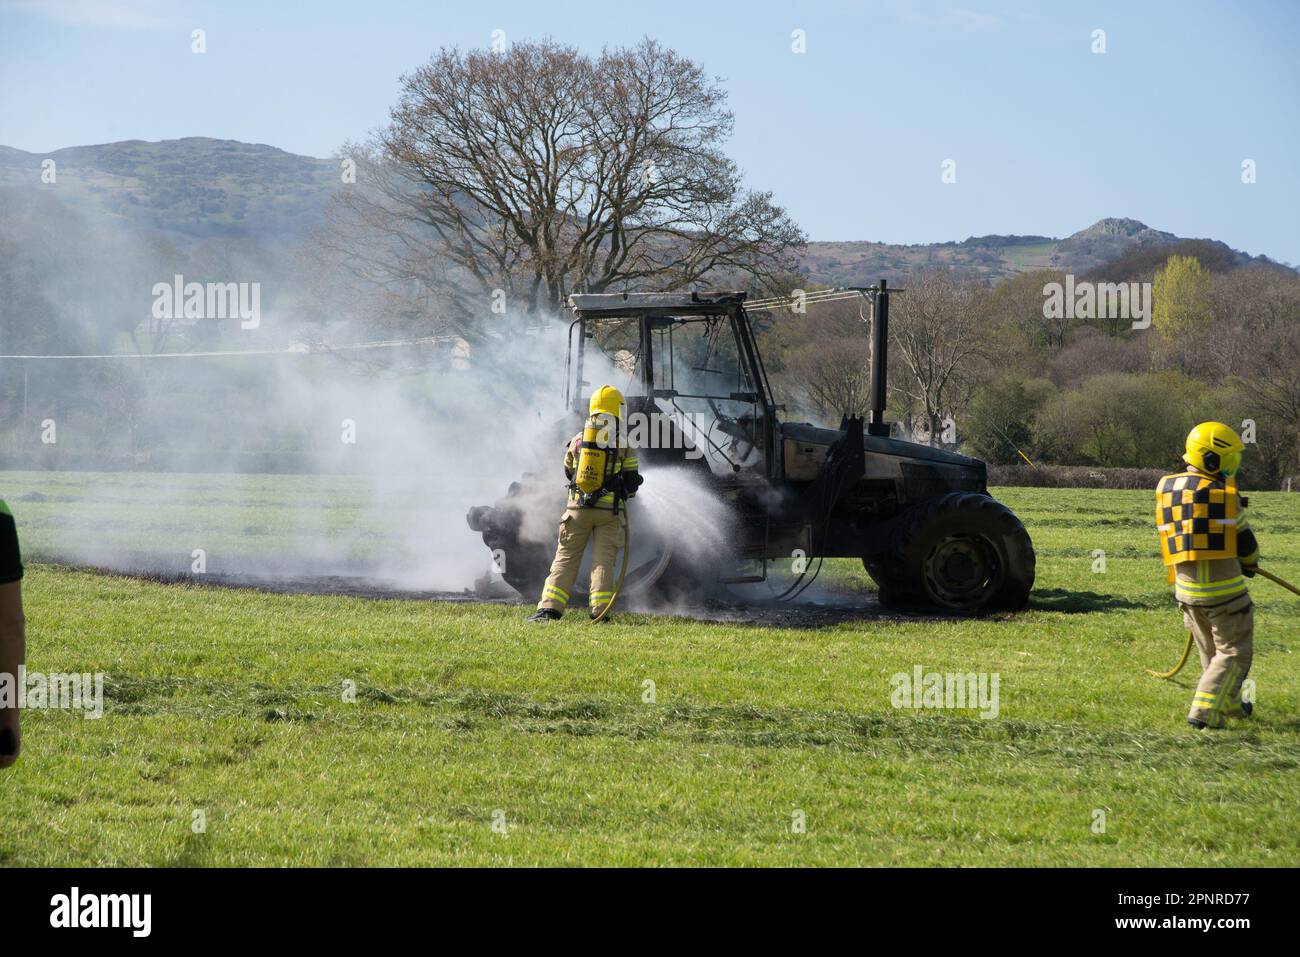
(963, 552)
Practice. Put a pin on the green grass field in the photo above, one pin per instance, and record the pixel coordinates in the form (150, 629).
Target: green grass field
(243, 517)
(478, 739)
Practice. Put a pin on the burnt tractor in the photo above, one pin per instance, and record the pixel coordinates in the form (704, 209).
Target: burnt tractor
(731, 489)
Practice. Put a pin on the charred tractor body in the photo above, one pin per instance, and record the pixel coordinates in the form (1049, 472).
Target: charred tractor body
(920, 518)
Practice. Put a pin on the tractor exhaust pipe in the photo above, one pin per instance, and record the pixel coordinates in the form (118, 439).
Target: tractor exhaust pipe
(879, 358)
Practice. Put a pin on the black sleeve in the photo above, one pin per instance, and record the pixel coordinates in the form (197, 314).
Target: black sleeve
(11, 560)
(1247, 545)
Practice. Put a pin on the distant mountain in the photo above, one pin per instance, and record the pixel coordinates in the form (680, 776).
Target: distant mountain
(1133, 247)
(861, 263)
(1108, 238)
(193, 189)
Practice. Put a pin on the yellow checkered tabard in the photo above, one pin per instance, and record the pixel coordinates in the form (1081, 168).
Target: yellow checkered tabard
(1196, 517)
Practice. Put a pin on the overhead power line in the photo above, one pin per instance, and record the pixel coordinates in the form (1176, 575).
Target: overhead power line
(299, 350)
(817, 296)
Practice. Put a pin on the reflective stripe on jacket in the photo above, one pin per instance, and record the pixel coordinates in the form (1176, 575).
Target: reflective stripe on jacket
(1212, 581)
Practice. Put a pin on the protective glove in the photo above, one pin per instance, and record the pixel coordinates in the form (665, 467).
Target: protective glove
(1249, 570)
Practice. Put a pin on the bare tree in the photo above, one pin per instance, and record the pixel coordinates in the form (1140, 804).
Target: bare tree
(1019, 302)
(1250, 305)
(1263, 310)
(935, 329)
(824, 356)
(541, 171)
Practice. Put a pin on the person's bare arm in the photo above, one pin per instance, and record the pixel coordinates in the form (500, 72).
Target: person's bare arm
(12, 655)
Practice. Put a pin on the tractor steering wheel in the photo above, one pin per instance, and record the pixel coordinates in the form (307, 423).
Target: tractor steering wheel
(733, 429)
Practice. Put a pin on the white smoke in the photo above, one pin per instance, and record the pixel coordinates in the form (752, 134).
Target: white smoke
(300, 465)
(386, 464)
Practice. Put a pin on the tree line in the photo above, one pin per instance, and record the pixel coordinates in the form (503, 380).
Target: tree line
(987, 365)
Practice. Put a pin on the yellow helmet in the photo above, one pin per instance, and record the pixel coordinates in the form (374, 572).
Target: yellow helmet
(607, 399)
(1214, 449)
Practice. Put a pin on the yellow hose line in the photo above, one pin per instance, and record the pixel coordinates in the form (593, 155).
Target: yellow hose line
(1187, 650)
(1278, 581)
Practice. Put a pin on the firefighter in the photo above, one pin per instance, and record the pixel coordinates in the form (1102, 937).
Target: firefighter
(602, 474)
(1210, 551)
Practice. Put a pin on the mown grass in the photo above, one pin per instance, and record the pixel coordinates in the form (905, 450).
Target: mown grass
(231, 702)
(235, 515)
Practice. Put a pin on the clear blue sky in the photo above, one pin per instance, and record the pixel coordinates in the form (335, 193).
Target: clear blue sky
(1047, 136)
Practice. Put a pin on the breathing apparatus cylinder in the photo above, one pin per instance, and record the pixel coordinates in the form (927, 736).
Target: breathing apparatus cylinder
(598, 449)
(595, 456)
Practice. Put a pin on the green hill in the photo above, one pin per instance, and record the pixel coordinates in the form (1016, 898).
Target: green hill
(198, 188)
(194, 187)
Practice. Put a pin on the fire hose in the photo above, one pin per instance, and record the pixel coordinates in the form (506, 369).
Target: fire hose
(1187, 649)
